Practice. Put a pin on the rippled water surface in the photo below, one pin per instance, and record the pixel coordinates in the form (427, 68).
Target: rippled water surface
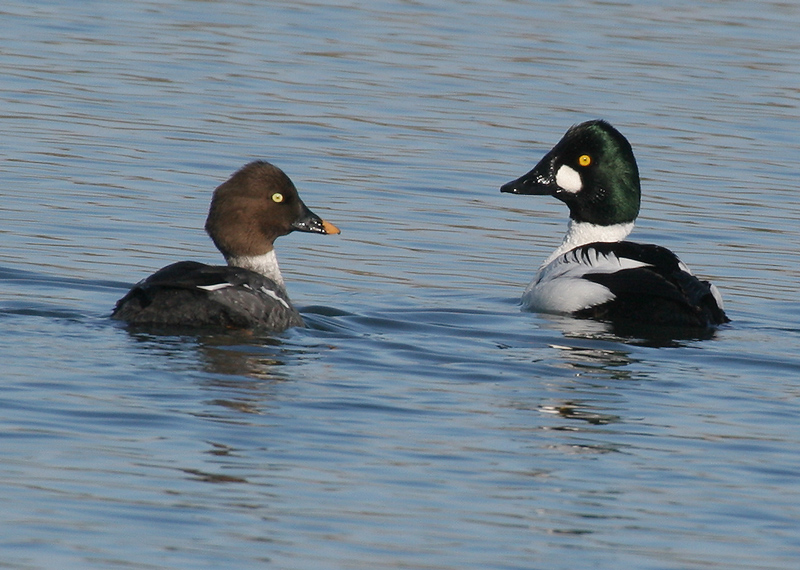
(421, 420)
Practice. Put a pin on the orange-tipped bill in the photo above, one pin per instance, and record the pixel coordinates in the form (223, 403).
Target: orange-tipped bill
(310, 222)
(330, 228)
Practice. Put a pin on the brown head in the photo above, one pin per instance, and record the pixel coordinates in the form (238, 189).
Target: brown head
(255, 206)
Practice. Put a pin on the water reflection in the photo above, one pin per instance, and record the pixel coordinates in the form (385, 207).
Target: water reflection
(258, 359)
(628, 333)
(235, 353)
(607, 363)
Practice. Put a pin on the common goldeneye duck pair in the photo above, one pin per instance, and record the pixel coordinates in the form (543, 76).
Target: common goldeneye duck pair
(594, 273)
(255, 206)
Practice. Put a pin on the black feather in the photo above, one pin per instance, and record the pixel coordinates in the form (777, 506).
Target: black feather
(660, 293)
(174, 296)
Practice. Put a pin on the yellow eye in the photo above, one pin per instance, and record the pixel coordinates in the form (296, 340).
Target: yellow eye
(585, 160)
(277, 197)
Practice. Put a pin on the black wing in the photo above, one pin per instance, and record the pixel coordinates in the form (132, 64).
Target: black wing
(661, 292)
(193, 294)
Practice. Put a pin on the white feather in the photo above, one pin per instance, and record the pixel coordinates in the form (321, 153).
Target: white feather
(581, 233)
(274, 296)
(215, 287)
(266, 265)
(717, 296)
(559, 287)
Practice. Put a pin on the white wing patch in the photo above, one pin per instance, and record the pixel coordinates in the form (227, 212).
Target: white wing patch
(559, 287)
(215, 286)
(264, 290)
(272, 294)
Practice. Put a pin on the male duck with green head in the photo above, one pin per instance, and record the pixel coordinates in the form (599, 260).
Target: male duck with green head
(594, 273)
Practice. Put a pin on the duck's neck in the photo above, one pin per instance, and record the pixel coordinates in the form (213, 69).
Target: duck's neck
(581, 233)
(266, 264)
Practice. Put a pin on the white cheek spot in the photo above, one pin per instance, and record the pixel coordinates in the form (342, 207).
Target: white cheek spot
(569, 179)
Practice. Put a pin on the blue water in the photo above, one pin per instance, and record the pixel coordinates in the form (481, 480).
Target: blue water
(421, 420)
